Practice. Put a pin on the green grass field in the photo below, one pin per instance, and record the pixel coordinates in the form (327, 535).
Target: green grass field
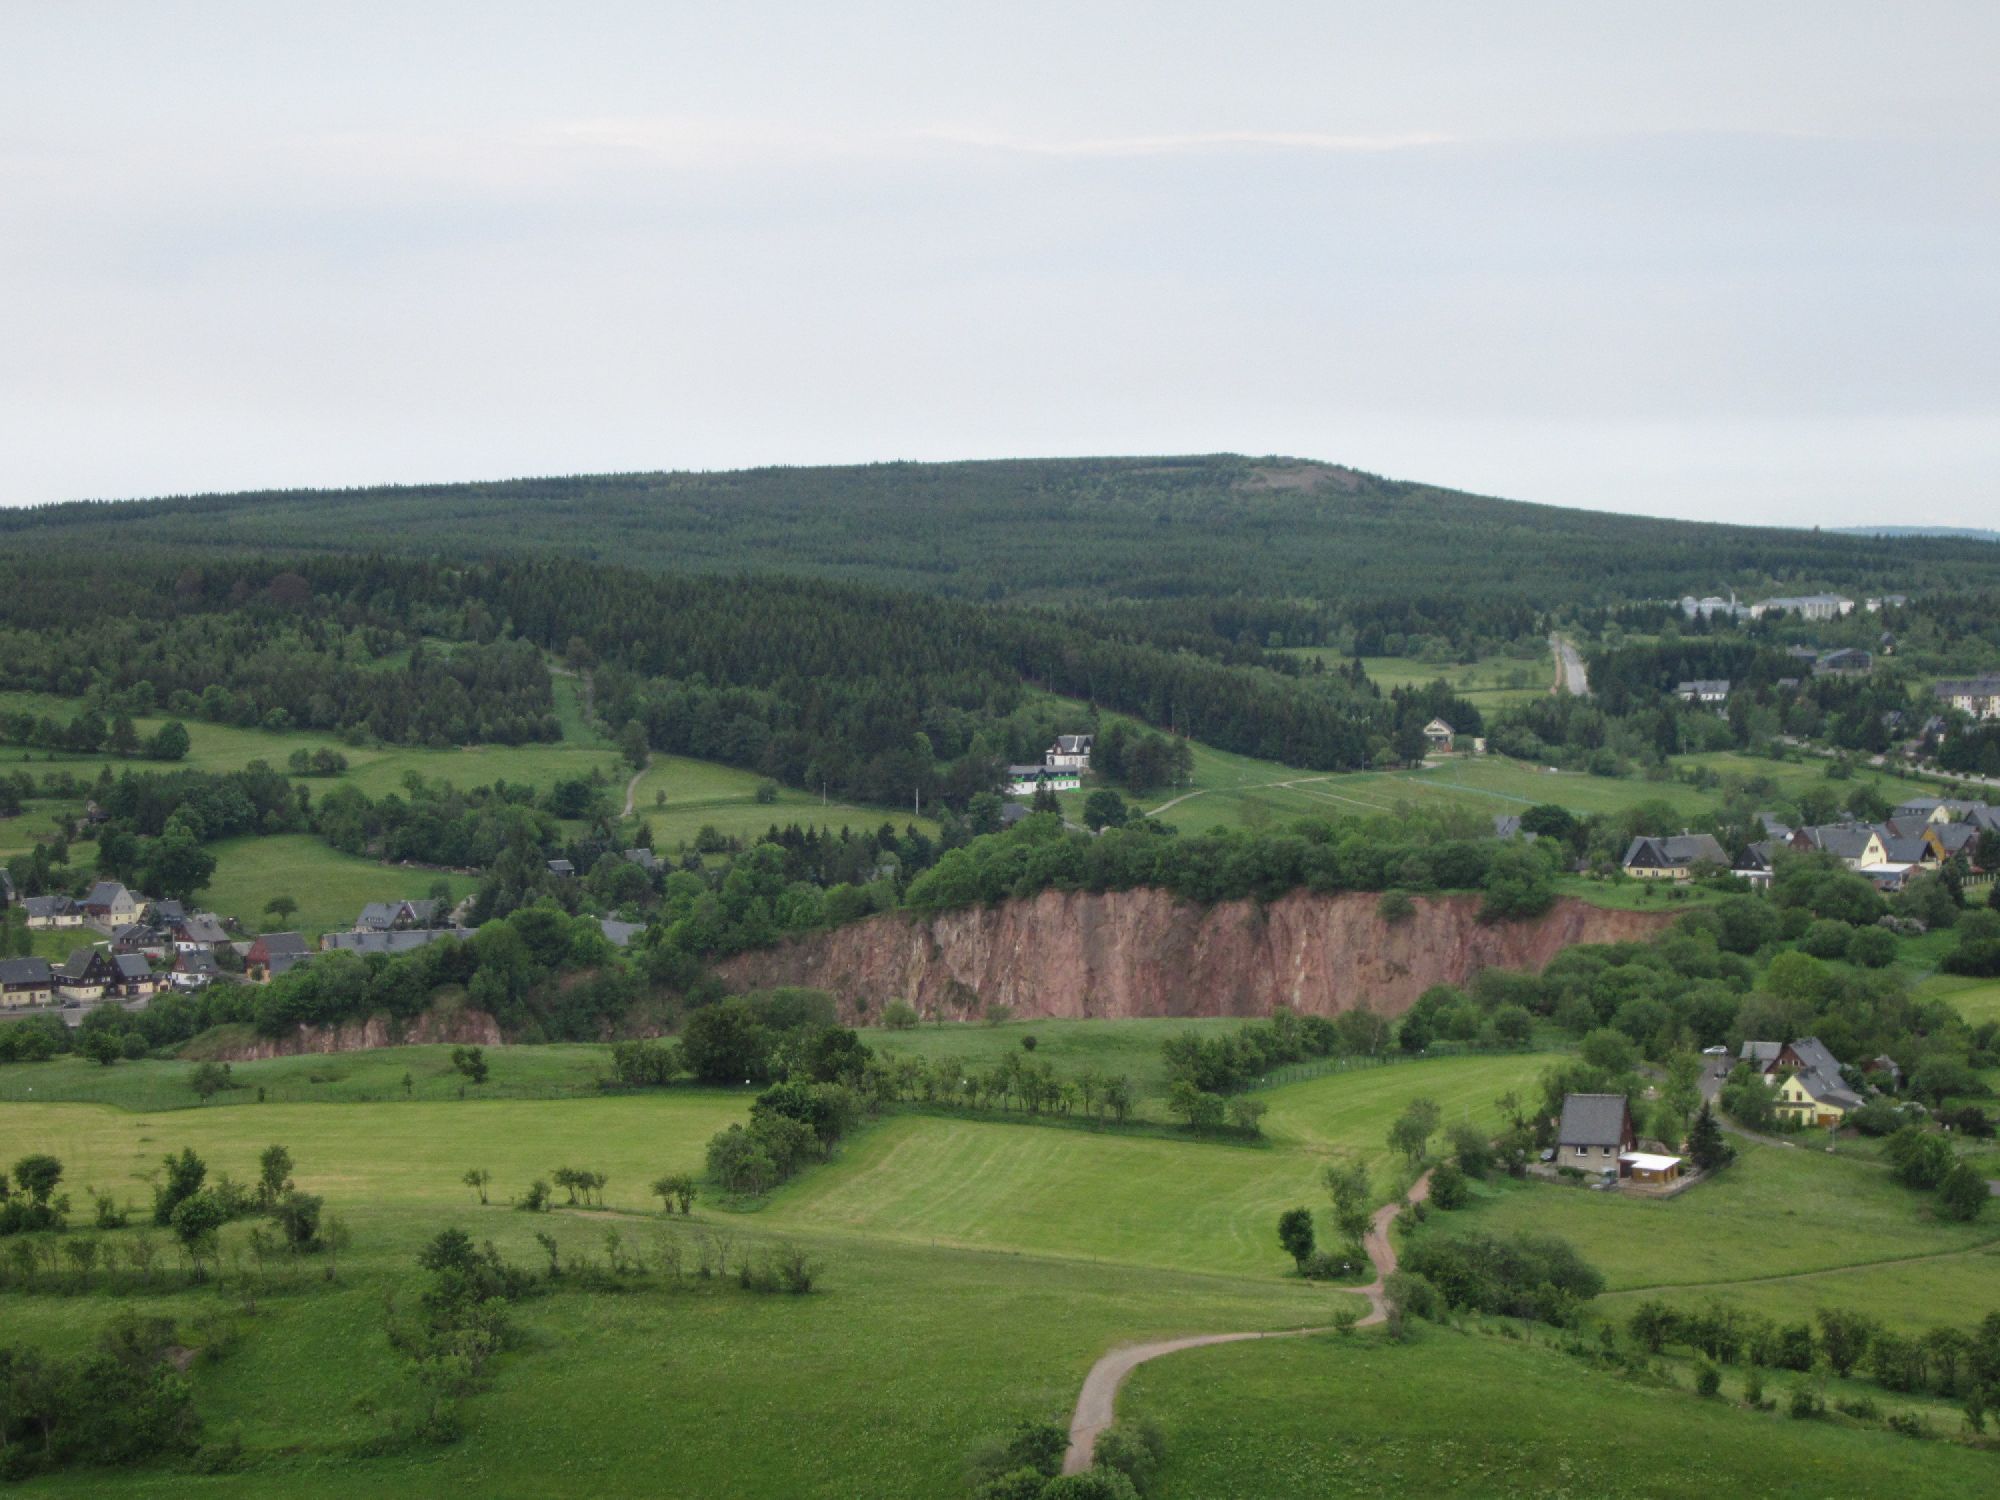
(973, 1272)
(1131, 1048)
(330, 887)
(1453, 1413)
(703, 794)
(1490, 683)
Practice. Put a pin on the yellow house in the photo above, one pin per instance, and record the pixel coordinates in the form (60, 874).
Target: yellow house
(1806, 1078)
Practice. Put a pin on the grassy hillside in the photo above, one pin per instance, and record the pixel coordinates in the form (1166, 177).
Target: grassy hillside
(1057, 528)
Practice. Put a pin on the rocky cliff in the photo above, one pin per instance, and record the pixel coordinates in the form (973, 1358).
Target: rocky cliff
(1144, 953)
(458, 1025)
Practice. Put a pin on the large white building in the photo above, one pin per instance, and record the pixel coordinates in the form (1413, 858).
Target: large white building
(1978, 696)
(1805, 606)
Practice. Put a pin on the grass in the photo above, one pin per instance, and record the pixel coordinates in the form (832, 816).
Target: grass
(1143, 1200)
(701, 794)
(1113, 1047)
(1978, 1000)
(329, 886)
(1776, 1212)
(1453, 1413)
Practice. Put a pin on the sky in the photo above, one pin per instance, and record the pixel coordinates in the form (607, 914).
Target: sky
(1710, 260)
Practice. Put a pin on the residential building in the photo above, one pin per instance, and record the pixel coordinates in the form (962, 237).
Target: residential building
(1439, 735)
(1025, 781)
(87, 976)
(1703, 690)
(26, 981)
(1594, 1131)
(645, 859)
(193, 968)
(1713, 605)
(52, 911)
(134, 979)
(1672, 857)
(1978, 696)
(1847, 662)
(1804, 606)
(1070, 752)
(110, 906)
(1853, 844)
(395, 916)
(1807, 1079)
(397, 940)
(275, 953)
(619, 933)
(562, 869)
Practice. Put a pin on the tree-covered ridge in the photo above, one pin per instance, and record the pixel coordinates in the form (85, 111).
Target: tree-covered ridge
(1056, 529)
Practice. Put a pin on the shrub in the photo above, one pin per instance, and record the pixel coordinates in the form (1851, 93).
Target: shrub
(1448, 1186)
(1413, 1295)
(1134, 1449)
(1963, 1195)
(1871, 947)
(899, 1015)
(1805, 1402)
(1707, 1378)
(536, 1199)
(1395, 906)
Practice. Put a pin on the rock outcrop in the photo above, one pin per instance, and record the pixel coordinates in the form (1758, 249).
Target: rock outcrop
(456, 1025)
(1144, 953)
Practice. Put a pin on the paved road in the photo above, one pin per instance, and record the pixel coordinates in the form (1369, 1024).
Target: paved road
(1569, 667)
(1096, 1403)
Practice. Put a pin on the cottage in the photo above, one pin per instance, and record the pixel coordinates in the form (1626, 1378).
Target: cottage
(1807, 1078)
(1757, 864)
(52, 911)
(111, 906)
(193, 968)
(1438, 735)
(1070, 752)
(275, 953)
(135, 979)
(1673, 857)
(562, 869)
(197, 931)
(645, 859)
(1703, 690)
(1855, 845)
(26, 981)
(1594, 1131)
(395, 916)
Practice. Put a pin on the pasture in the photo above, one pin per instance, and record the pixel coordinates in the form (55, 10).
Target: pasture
(702, 794)
(329, 886)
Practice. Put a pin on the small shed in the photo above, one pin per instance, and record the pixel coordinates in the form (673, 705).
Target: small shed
(1647, 1167)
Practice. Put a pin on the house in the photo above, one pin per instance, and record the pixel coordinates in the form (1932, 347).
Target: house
(397, 940)
(193, 968)
(1673, 857)
(1807, 1077)
(1978, 696)
(52, 911)
(645, 859)
(1012, 813)
(1884, 1066)
(1805, 606)
(562, 869)
(1070, 752)
(1924, 809)
(1594, 1131)
(395, 916)
(1438, 736)
(1846, 662)
(135, 979)
(1508, 826)
(1703, 690)
(138, 937)
(109, 905)
(26, 981)
(275, 953)
(619, 933)
(1855, 845)
(1025, 781)
(1756, 865)
(197, 931)
(87, 976)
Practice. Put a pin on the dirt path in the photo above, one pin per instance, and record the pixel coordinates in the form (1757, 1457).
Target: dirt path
(632, 786)
(1096, 1403)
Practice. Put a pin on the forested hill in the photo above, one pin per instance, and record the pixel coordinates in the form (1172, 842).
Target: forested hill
(1047, 530)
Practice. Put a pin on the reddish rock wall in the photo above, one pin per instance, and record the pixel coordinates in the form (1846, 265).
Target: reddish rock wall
(1143, 953)
(458, 1026)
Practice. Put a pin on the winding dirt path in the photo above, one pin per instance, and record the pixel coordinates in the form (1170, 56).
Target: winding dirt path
(1096, 1403)
(632, 786)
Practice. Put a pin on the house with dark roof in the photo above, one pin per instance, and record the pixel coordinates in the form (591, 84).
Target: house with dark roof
(197, 930)
(1672, 857)
(562, 869)
(1070, 752)
(1848, 661)
(193, 968)
(111, 906)
(52, 911)
(275, 953)
(134, 979)
(1807, 1078)
(1853, 844)
(395, 916)
(87, 976)
(1978, 696)
(26, 981)
(1594, 1131)
(645, 859)
(619, 933)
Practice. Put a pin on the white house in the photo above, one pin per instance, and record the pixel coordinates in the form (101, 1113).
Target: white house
(1438, 735)
(1025, 781)
(1805, 606)
(1070, 752)
(1978, 696)
(52, 911)
(1703, 690)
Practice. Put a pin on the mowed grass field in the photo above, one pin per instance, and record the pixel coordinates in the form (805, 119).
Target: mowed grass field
(1490, 683)
(701, 794)
(1130, 1048)
(1463, 1414)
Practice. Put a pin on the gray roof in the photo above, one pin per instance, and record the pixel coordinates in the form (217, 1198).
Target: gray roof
(1703, 687)
(1763, 1053)
(203, 927)
(196, 961)
(1675, 851)
(32, 971)
(401, 941)
(1012, 813)
(380, 916)
(1904, 851)
(645, 859)
(1073, 744)
(1592, 1120)
(1843, 840)
(107, 893)
(48, 906)
(276, 943)
(621, 933)
(131, 966)
(561, 867)
(79, 963)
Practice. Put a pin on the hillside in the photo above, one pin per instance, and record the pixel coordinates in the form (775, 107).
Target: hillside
(1053, 529)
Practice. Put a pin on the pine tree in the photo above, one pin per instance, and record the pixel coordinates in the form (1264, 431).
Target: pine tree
(1710, 1151)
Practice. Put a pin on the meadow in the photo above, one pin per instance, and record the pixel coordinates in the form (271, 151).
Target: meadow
(330, 887)
(702, 794)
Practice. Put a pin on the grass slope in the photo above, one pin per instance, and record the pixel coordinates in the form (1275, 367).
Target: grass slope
(329, 886)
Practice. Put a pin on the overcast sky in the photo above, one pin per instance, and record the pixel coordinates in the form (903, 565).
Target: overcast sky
(1701, 259)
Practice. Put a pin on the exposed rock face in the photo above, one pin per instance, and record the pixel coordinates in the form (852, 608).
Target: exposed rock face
(1144, 953)
(458, 1025)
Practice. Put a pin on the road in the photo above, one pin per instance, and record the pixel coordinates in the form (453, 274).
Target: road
(1570, 676)
(1096, 1403)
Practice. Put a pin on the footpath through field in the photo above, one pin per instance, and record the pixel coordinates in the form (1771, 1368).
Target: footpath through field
(1096, 1403)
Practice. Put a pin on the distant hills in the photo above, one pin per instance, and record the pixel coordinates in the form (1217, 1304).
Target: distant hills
(1089, 531)
(1965, 533)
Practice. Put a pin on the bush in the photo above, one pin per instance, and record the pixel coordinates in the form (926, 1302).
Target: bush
(1134, 1449)
(1413, 1294)
(1871, 948)
(1449, 1189)
(1395, 906)
(1707, 1378)
(536, 1199)
(1827, 939)
(899, 1015)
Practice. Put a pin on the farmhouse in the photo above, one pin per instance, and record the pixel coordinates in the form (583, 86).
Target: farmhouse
(88, 975)
(1807, 1078)
(52, 911)
(1025, 781)
(1439, 735)
(1672, 857)
(1853, 844)
(1594, 1131)
(193, 968)
(1070, 752)
(26, 981)
(275, 953)
(134, 976)
(1978, 696)
(110, 905)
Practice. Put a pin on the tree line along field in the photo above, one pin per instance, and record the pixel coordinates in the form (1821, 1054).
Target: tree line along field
(974, 1269)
